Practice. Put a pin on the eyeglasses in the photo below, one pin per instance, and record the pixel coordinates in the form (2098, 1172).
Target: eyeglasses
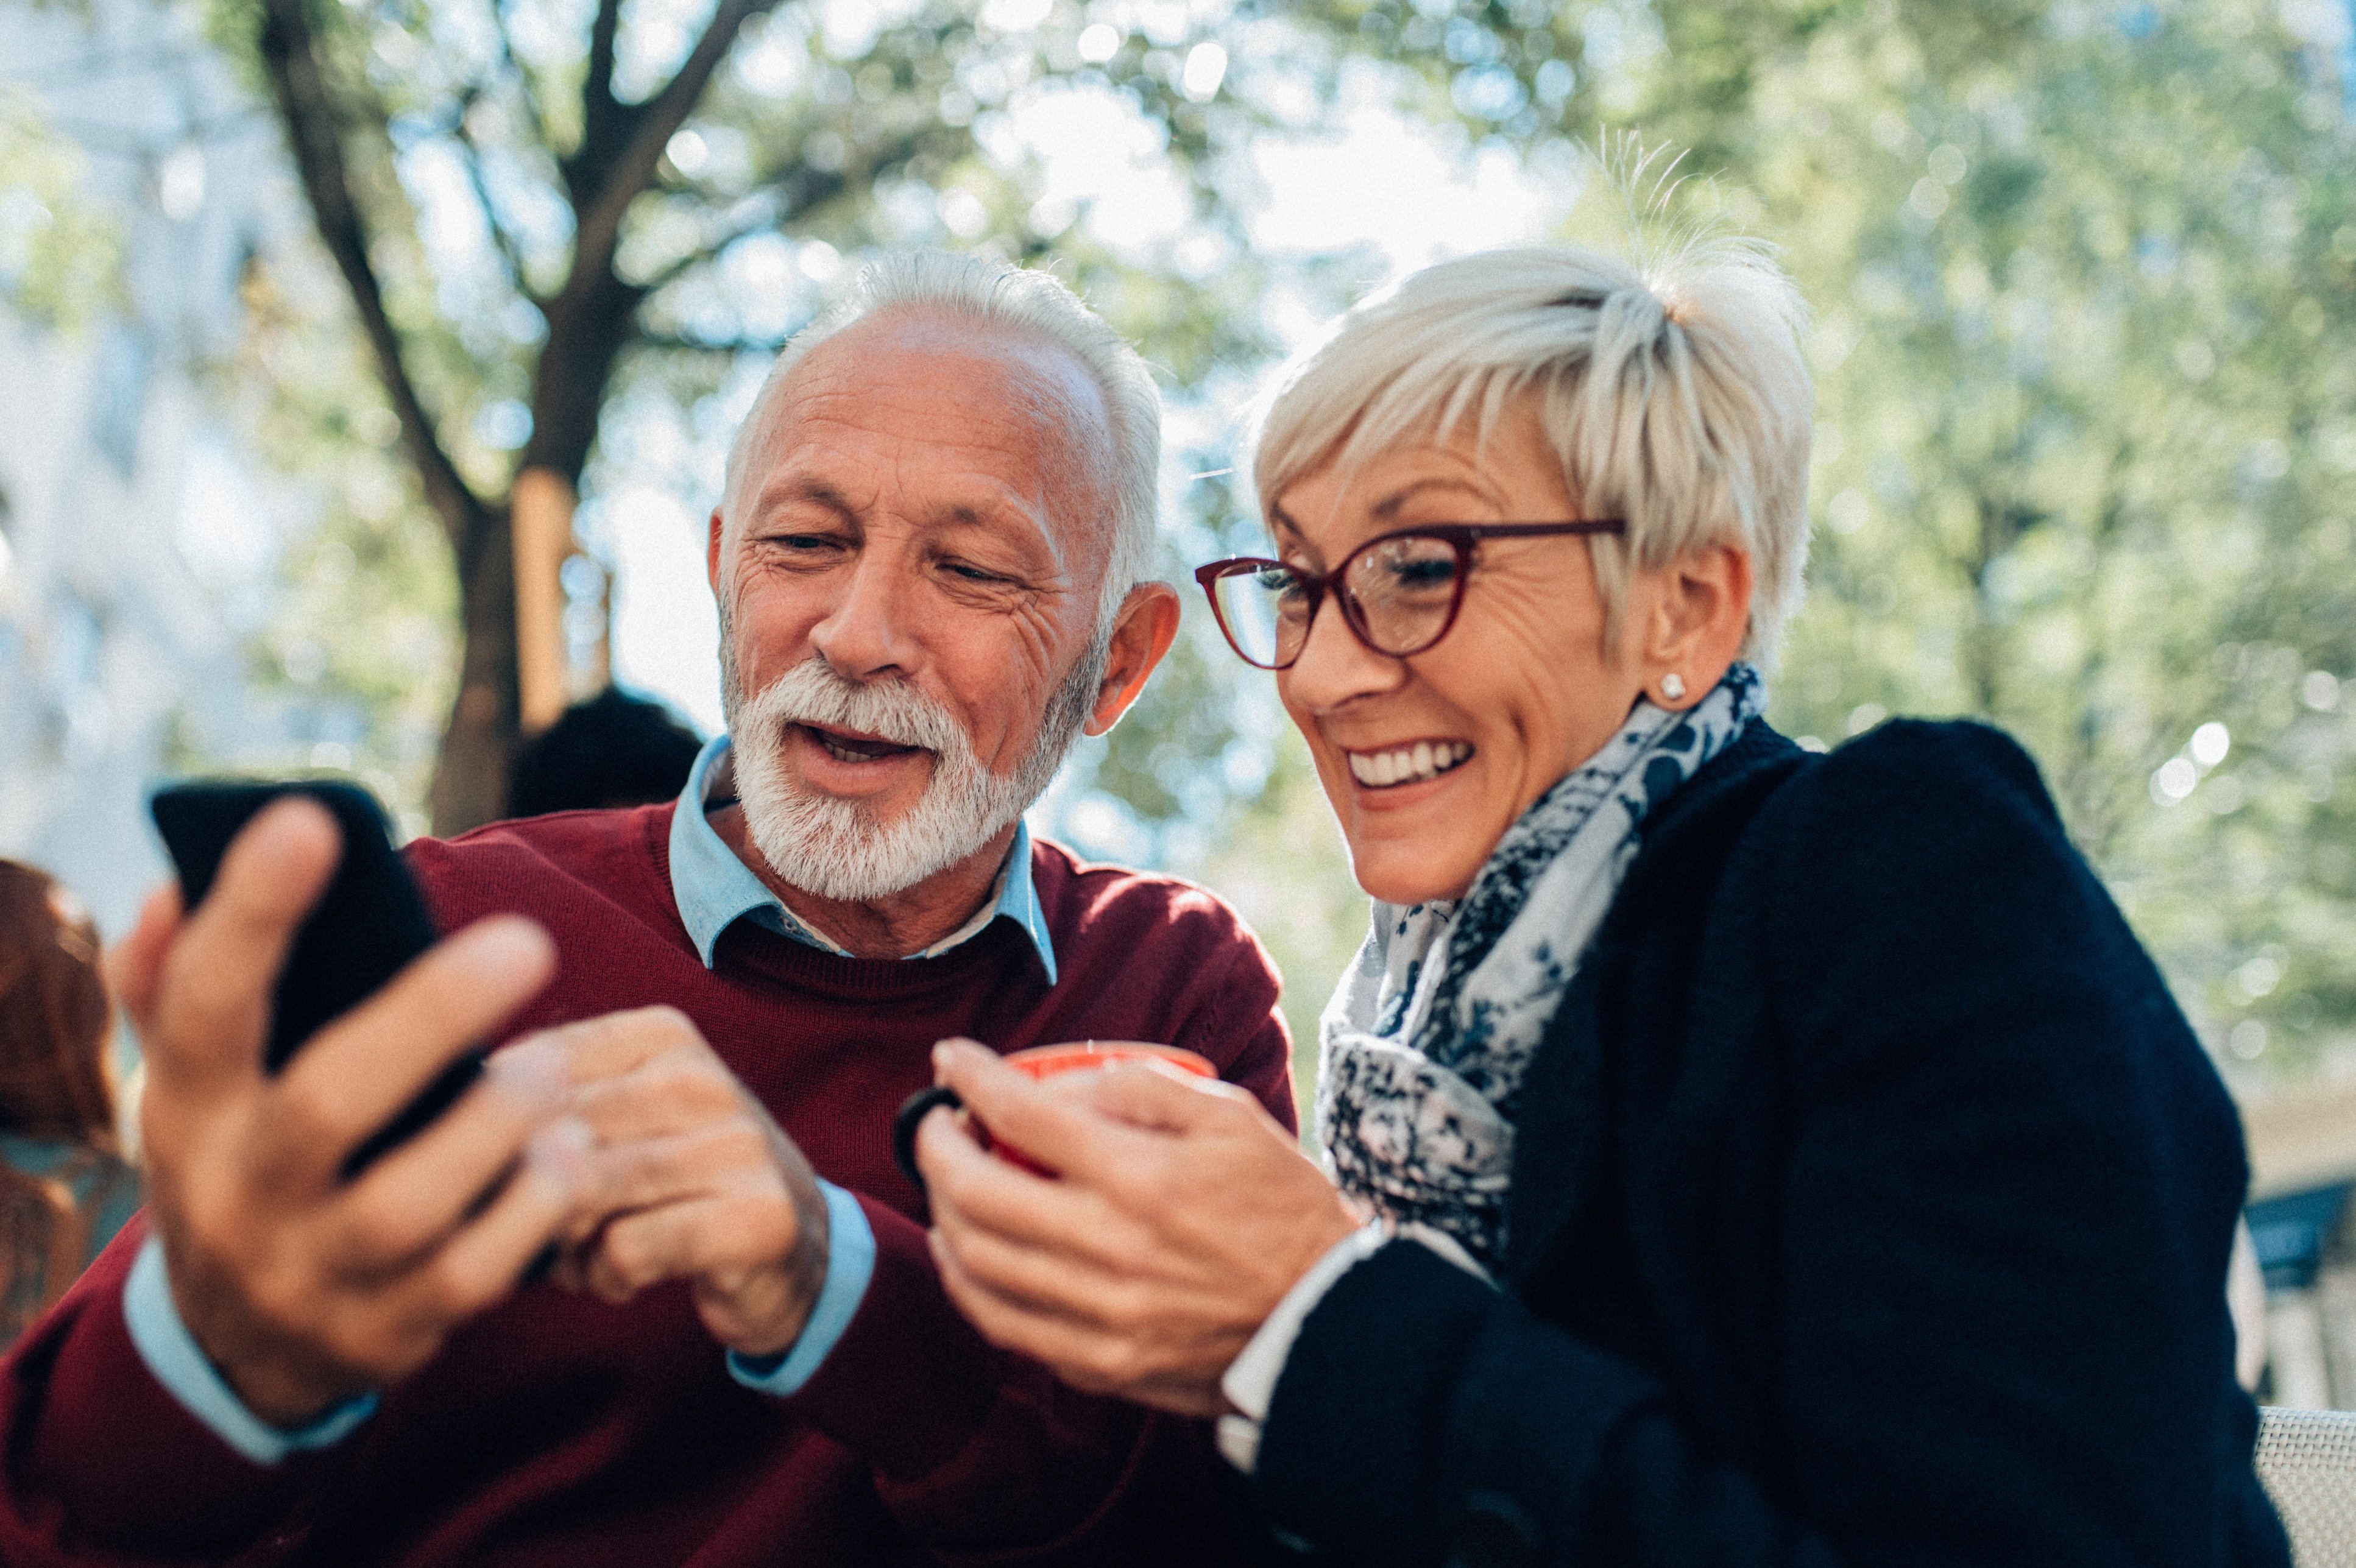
(1399, 593)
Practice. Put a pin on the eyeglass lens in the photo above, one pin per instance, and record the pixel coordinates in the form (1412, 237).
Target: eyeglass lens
(1400, 593)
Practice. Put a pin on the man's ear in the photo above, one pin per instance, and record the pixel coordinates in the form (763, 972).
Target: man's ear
(712, 552)
(1142, 630)
(1699, 614)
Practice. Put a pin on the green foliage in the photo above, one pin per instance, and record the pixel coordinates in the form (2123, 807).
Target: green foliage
(59, 261)
(2085, 285)
(1284, 866)
(361, 634)
(478, 135)
(2085, 278)
(2085, 348)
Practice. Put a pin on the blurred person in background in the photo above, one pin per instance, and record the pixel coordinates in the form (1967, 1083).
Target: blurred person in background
(65, 1188)
(612, 749)
(1734, 1155)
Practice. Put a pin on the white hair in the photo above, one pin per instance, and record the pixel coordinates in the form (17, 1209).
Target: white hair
(945, 286)
(1674, 394)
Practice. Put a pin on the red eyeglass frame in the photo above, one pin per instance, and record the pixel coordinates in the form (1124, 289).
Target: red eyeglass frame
(1462, 537)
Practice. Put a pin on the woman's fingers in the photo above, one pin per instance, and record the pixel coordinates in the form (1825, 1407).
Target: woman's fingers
(1061, 1285)
(1089, 1355)
(1008, 1322)
(970, 1187)
(1063, 1249)
(1049, 1125)
(1155, 1097)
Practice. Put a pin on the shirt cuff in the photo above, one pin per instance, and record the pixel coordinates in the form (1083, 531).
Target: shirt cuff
(177, 1361)
(1250, 1379)
(850, 1264)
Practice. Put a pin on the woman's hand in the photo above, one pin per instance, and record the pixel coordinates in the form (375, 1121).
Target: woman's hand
(1183, 1214)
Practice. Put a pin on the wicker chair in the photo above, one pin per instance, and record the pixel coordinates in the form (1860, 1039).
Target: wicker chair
(2308, 1460)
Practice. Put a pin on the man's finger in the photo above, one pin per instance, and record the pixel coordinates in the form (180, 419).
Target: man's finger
(677, 1093)
(649, 1173)
(1049, 1126)
(486, 1259)
(135, 967)
(613, 1044)
(422, 1192)
(725, 1231)
(217, 978)
(363, 1068)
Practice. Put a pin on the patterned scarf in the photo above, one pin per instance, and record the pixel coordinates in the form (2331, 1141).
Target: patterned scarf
(1428, 1037)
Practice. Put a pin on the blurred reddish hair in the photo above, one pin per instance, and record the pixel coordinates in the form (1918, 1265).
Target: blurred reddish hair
(54, 1086)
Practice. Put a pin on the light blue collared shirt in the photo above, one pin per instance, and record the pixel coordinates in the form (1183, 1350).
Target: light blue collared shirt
(713, 889)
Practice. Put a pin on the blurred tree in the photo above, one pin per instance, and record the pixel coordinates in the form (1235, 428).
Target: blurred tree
(59, 262)
(530, 210)
(362, 632)
(2086, 277)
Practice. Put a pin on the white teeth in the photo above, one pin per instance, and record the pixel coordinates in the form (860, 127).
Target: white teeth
(1405, 764)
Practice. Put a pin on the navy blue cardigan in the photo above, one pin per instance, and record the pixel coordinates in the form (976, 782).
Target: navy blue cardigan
(1871, 1206)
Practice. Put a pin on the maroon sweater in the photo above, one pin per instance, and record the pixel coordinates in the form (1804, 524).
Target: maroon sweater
(557, 1430)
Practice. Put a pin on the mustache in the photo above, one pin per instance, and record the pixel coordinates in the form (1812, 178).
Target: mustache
(813, 693)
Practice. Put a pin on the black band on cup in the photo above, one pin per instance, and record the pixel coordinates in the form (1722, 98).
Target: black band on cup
(912, 1113)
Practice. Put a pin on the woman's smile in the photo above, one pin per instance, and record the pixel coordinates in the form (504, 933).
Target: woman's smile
(1412, 761)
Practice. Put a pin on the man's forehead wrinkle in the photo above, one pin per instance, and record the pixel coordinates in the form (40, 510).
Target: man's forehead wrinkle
(791, 481)
(980, 499)
(1061, 400)
(1046, 412)
(1054, 388)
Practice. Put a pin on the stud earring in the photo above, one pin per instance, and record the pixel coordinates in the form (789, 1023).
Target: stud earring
(1672, 686)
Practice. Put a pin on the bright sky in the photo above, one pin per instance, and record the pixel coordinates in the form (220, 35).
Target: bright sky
(1381, 181)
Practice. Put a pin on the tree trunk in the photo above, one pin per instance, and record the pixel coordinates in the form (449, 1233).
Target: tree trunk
(470, 787)
(540, 531)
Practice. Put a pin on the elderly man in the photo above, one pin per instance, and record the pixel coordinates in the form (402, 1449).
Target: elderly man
(930, 562)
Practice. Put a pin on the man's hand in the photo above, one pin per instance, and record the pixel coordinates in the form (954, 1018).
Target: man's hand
(690, 1179)
(305, 1289)
(1181, 1215)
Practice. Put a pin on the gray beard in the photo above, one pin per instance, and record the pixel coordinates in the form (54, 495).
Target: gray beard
(837, 849)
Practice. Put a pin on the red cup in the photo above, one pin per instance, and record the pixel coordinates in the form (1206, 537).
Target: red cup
(1042, 1063)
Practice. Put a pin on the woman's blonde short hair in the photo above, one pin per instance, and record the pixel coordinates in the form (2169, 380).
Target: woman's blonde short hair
(1673, 393)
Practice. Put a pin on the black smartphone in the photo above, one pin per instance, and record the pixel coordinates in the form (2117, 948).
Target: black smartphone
(368, 923)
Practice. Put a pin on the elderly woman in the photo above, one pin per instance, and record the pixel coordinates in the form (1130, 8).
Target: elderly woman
(1733, 1155)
